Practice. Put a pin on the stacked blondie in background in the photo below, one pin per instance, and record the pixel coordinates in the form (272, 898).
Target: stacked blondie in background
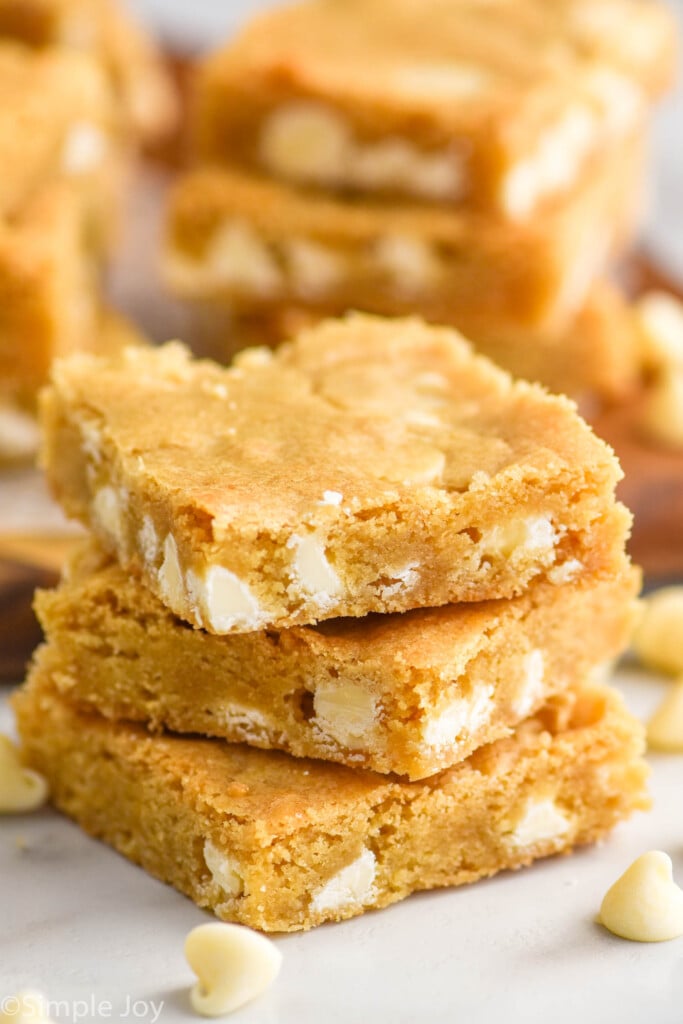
(82, 90)
(334, 637)
(478, 164)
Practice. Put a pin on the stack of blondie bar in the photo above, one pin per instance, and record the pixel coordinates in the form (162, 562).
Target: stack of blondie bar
(81, 90)
(335, 635)
(480, 164)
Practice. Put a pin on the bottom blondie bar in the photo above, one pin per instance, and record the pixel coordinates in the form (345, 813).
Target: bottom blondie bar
(282, 844)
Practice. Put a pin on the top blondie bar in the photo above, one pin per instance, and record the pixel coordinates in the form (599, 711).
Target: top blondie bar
(497, 106)
(106, 31)
(370, 465)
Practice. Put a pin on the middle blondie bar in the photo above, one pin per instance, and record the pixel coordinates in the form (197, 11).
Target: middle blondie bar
(371, 465)
(410, 694)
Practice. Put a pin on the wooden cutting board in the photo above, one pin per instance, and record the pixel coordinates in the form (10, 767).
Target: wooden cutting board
(27, 561)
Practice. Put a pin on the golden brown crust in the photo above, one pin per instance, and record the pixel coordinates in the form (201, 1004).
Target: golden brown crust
(259, 837)
(371, 465)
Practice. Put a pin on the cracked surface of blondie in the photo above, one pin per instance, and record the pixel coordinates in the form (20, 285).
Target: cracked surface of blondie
(371, 465)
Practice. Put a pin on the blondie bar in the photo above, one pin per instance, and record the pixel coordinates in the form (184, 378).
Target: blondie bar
(57, 122)
(497, 106)
(410, 694)
(282, 844)
(371, 465)
(49, 284)
(258, 244)
(104, 30)
(19, 433)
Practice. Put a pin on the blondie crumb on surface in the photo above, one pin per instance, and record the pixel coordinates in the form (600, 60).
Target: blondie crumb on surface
(451, 482)
(282, 844)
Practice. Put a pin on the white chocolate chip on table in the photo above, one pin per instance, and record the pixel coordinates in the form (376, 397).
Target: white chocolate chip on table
(658, 637)
(645, 904)
(661, 416)
(659, 318)
(665, 728)
(21, 789)
(233, 964)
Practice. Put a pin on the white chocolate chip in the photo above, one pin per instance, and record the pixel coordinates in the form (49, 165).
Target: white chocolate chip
(540, 822)
(309, 143)
(464, 715)
(665, 728)
(252, 358)
(533, 534)
(396, 164)
(402, 580)
(383, 164)
(21, 789)
(306, 142)
(661, 416)
(619, 99)
(148, 541)
(25, 1008)
(565, 572)
(108, 513)
(634, 39)
(239, 258)
(531, 688)
(660, 320)
(313, 269)
(657, 638)
(249, 725)
(410, 263)
(311, 569)
(224, 601)
(332, 498)
(346, 712)
(19, 434)
(555, 165)
(84, 149)
(645, 904)
(170, 575)
(224, 870)
(353, 886)
(91, 441)
(234, 965)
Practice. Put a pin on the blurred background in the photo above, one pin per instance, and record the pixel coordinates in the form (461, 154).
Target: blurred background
(202, 23)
